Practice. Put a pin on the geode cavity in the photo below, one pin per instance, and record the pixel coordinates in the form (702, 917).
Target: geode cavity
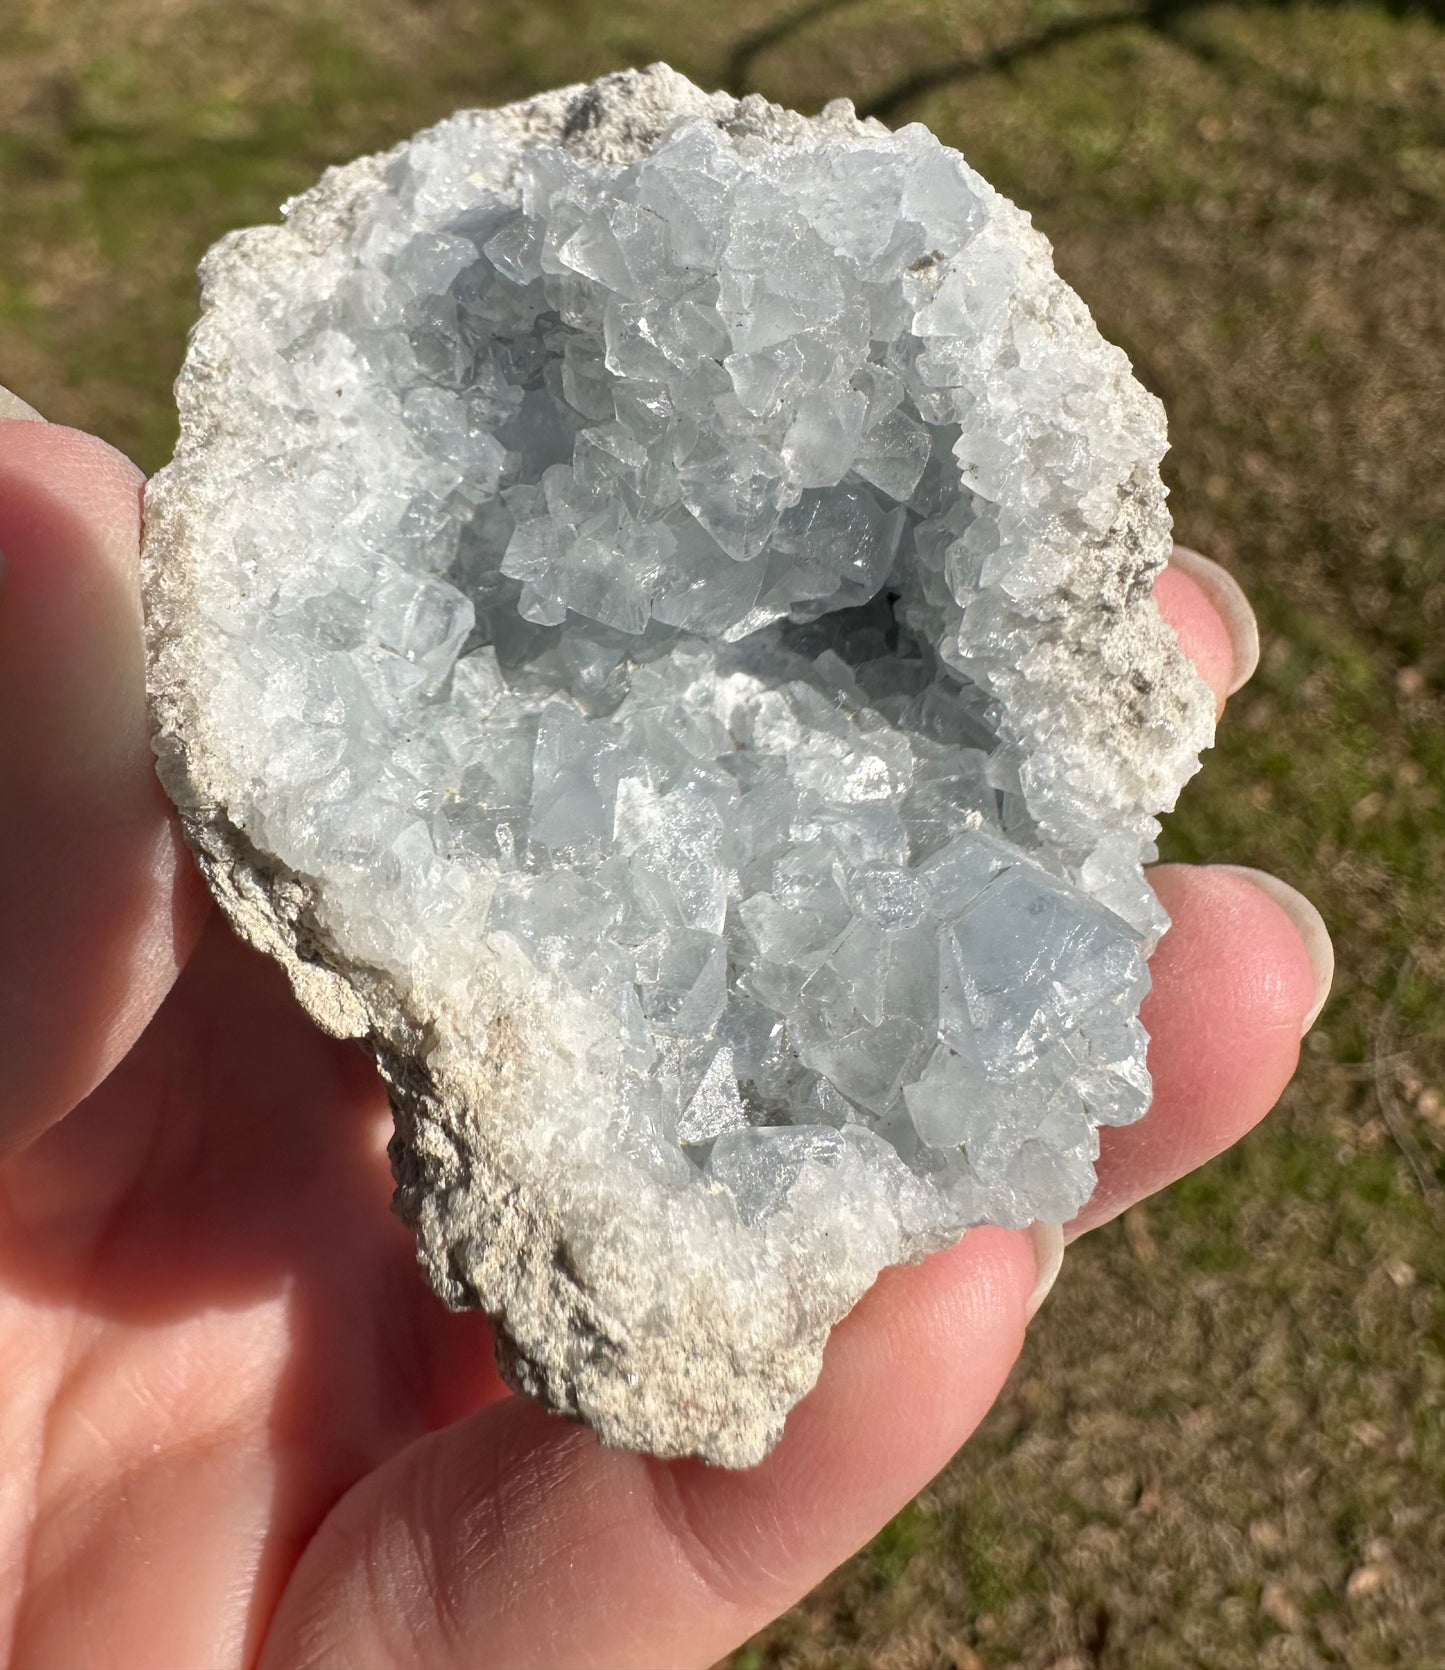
(651, 625)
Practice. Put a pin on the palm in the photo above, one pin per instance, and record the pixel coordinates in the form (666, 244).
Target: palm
(239, 1431)
(205, 1251)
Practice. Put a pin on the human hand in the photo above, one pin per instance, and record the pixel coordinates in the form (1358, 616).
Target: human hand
(239, 1429)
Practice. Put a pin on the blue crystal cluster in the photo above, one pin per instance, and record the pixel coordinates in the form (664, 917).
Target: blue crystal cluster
(661, 520)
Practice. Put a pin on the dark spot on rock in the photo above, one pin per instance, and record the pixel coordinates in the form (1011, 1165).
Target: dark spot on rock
(583, 115)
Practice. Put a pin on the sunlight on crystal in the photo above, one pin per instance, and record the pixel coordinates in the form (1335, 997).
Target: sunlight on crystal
(628, 581)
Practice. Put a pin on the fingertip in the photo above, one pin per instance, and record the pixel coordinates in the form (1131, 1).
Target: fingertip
(1234, 985)
(1201, 630)
(919, 1332)
(1227, 598)
(1048, 1260)
(74, 468)
(99, 901)
(1305, 919)
(1243, 946)
(70, 516)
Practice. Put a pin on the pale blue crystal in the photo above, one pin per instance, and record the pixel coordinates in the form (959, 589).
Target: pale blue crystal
(668, 524)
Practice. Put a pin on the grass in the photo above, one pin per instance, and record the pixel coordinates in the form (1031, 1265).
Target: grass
(1224, 1446)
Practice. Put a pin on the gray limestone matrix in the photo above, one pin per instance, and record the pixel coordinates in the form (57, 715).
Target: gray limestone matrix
(651, 623)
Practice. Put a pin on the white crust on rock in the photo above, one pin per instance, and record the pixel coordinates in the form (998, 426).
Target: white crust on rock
(489, 1232)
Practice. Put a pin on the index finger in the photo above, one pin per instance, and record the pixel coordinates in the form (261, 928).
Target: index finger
(99, 901)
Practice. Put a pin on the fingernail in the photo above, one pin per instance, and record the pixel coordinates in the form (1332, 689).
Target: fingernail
(13, 408)
(1309, 925)
(1048, 1260)
(1226, 594)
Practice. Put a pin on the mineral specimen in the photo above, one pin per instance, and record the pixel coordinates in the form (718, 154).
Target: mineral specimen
(651, 624)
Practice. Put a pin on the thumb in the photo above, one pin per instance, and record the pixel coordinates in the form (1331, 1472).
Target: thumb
(513, 1539)
(98, 901)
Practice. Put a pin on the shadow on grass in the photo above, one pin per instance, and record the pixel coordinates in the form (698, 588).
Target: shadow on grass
(1161, 17)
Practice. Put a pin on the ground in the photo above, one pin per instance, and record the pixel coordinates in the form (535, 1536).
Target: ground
(1225, 1444)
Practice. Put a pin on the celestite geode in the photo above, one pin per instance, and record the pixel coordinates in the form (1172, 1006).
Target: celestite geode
(651, 624)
